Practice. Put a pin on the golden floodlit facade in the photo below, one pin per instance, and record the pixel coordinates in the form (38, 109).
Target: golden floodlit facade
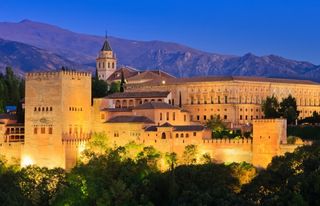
(156, 110)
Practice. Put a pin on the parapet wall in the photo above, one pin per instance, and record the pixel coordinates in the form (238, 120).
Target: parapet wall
(55, 74)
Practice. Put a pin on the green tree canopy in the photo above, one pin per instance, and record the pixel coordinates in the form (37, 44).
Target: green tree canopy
(270, 107)
(288, 109)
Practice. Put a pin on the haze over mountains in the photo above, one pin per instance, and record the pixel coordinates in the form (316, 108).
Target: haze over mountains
(31, 46)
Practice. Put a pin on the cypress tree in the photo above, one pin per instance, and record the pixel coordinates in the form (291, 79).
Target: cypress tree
(123, 82)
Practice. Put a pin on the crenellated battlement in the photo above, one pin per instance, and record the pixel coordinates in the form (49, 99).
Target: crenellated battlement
(268, 120)
(55, 74)
(227, 141)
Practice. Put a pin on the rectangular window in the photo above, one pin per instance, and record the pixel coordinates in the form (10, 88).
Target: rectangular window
(246, 117)
(198, 117)
(43, 130)
(50, 130)
(194, 134)
(102, 116)
(240, 117)
(226, 99)
(185, 118)
(167, 116)
(191, 117)
(204, 117)
(225, 117)
(219, 100)
(173, 116)
(35, 130)
(160, 116)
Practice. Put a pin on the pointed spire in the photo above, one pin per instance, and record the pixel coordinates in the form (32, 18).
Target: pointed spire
(106, 46)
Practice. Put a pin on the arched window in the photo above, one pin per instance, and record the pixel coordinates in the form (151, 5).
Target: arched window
(181, 135)
(163, 135)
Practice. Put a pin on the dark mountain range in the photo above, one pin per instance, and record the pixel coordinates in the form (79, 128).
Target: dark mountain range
(80, 50)
(24, 58)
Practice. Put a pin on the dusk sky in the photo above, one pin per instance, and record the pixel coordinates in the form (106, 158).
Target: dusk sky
(287, 28)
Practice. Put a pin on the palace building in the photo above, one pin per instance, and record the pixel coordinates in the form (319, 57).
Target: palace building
(156, 109)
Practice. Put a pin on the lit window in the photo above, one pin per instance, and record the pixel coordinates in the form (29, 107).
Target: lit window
(50, 130)
(35, 130)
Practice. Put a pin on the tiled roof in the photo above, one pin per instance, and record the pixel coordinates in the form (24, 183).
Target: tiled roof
(156, 105)
(130, 119)
(127, 73)
(15, 124)
(151, 75)
(117, 109)
(152, 94)
(230, 78)
(167, 124)
(179, 128)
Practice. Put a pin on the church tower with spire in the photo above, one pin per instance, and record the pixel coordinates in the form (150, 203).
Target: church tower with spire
(106, 63)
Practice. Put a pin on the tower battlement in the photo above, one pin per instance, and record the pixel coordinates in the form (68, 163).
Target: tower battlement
(55, 74)
(227, 141)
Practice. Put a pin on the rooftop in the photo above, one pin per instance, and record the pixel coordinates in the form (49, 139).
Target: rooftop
(127, 72)
(152, 94)
(156, 105)
(231, 78)
(117, 109)
(106, 46)
(130, 119)
(179, 128)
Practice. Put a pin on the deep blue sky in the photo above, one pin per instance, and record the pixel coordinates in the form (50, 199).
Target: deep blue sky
(284, 27)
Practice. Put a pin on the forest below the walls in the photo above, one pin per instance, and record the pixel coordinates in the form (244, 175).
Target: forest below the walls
(139, 175)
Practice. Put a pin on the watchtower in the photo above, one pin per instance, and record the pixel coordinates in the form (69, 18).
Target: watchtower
(57, 112)
(268, 134)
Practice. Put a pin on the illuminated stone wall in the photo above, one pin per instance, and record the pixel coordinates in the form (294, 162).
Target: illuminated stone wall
(268, 135)
(57, 110)
(235, 101)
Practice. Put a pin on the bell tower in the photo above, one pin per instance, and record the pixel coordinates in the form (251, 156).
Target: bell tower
(106, 63)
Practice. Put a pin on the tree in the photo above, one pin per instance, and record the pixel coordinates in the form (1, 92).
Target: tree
(288, 109)
(123, 82)
(217, 126)
(99, 88)
(171, 159)
(98, 144)
(270, 107)
(114, 87)
(189, 155)
(292, 179)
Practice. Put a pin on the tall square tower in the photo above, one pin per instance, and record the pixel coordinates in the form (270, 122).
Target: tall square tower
(57, 117)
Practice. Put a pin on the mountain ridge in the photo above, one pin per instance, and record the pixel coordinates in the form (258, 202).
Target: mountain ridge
(80, 50)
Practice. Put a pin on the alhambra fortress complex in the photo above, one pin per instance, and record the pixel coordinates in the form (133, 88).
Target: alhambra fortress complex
(156, 110)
